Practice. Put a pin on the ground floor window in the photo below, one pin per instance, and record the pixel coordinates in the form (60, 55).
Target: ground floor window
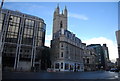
(71, 67)
(56, 65)
(78, 67)
(66, 66)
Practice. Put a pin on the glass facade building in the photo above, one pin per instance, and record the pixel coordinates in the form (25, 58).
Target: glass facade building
(22, 38)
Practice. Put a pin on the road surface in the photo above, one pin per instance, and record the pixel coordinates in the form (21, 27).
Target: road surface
(113, 76)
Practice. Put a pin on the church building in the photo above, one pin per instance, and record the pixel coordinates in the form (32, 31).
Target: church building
(67, 49)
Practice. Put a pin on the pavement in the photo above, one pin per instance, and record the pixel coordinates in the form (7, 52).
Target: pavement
(76, 76)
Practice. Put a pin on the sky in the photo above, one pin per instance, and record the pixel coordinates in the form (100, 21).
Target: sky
(92, 22)
(61, 0)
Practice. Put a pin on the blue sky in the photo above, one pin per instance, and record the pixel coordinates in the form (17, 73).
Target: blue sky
(88, 20)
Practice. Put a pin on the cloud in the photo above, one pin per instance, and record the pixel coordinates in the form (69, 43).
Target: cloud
(48, 38)
(112, 46)
(78, 16)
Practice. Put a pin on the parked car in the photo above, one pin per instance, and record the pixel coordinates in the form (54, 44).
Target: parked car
(114, 70)
(50, 70)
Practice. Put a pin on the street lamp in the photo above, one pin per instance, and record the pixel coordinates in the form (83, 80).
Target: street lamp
(1, 4)
(0, 40)
(0, 31)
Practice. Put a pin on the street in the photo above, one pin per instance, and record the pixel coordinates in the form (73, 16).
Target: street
(62, 75)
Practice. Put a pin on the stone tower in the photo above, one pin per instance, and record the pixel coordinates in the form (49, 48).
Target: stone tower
(59, 20)
(66, 48)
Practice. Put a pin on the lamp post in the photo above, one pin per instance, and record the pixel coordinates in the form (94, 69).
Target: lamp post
(1, 4)
(0, 31)
(0, 41)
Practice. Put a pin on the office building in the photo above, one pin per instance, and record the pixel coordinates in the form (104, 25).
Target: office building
(22, 37)
(118, 43)
(102, 55)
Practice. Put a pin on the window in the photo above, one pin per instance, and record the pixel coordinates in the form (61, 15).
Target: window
(87, 60)
(21, 50)
(13, 29)
(61, 24)
(78, 67)
(29, 23)
(40, 25)
(1, 21)
(66, 66)
(61, 65)
(39, 42)
(71, 67)
(40, 34)
(28, 32)
(61, 54)
(61, 44)
(56, 65)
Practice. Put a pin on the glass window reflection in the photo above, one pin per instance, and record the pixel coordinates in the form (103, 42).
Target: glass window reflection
(13, 27)
(1, 20)
(28, 32)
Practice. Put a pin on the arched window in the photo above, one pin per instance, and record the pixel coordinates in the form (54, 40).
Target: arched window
(61, 24)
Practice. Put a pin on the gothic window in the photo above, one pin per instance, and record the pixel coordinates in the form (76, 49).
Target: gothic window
(61, 24)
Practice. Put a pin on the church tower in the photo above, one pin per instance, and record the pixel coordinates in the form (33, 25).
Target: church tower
(59, 20)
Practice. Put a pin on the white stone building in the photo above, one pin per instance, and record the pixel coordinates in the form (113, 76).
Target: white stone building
(67, 49)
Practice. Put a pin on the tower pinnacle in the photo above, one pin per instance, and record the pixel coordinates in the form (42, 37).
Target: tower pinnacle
(58, 5)
(65, 11)
(57, 10)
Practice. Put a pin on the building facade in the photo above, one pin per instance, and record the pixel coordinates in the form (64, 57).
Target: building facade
(67, 49)
(22, 37)
(106, 55)
(102, 55)
(89, 59)
(118, 43)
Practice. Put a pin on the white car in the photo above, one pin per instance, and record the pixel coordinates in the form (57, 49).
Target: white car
(50, 70)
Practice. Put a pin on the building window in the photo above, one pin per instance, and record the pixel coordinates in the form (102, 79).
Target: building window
(78, 67)
(61, 44)
(28, 32)
(56, 65)
(61, 24)
(40, 34)
(71, 67)
(21, 50)
(61, 65)
(66, 66)
(88, 60)
(13, 29)
(61, 54)
(1, 21)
